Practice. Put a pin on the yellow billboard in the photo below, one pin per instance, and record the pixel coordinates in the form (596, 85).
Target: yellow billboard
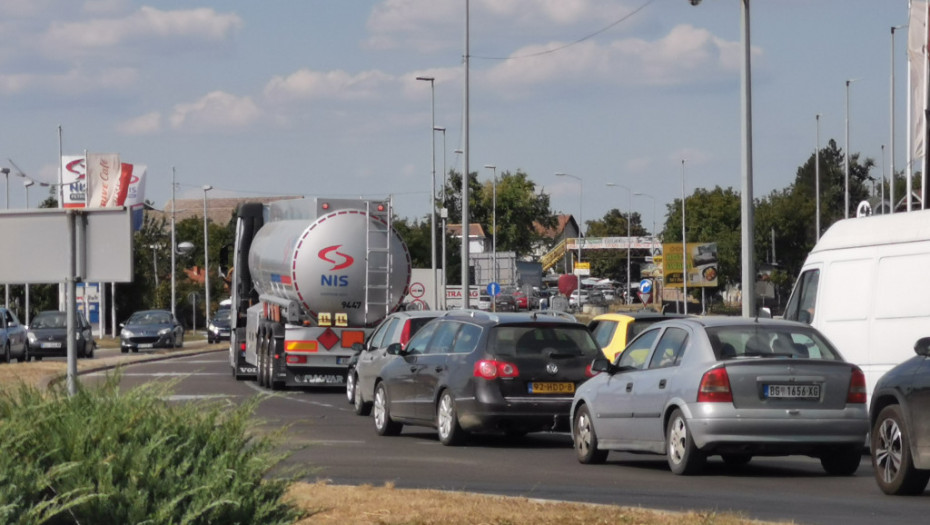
(701, 262)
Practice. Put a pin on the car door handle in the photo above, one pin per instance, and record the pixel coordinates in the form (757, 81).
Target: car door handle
(629, 387)
(662, 383)
(414, 368)
(440, 368)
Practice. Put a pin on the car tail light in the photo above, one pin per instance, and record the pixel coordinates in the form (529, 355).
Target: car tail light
(588, 372)
(857, 390)
(405, 334)
(491, 369)
(715, 387)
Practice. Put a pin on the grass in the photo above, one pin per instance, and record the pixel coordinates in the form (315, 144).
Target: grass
(94, 451)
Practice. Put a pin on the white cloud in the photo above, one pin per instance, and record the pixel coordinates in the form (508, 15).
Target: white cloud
(147, 124)
(216, 111)
(306, 85)
(72, 82)
(68, 39)
(685, 55)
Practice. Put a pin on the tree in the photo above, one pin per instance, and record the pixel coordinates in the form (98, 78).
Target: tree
(612, 263)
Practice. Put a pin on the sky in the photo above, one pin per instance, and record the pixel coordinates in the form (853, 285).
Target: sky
(320, 97)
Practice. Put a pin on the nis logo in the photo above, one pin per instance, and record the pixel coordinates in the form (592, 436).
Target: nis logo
(340, 261)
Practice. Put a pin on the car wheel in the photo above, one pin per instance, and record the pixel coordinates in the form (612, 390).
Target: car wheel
(179, 341)
(683, 456)
(7, 358)
(384, 425)
(24, 358)
(843, 461)
(37, 358)
(351, 380)
(891, 455)
(736, 459)
(90, 353)
(447, 421)
(585, 439)
(124, 350)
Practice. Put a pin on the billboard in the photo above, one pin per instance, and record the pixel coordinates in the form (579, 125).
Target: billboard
(699, 264)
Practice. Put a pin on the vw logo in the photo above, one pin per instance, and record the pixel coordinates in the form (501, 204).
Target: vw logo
(552, 368)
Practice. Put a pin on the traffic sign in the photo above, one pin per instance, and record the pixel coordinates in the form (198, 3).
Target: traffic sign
(645, 286)
(494, 289)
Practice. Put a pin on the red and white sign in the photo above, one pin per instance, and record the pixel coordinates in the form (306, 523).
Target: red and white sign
(417, 290)
(103, 175)
(644, 297)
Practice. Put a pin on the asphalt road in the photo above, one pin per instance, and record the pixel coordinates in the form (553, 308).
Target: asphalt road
(327, 436)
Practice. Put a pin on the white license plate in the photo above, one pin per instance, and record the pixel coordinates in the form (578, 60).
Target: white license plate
(51, 345)
(147, 345)
(792, 391)
(323, 379)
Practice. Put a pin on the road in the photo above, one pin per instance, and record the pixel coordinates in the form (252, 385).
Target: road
(344, 448)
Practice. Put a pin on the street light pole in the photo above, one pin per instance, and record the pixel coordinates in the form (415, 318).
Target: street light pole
(580, 208)
(846, 172)
(432, 194)
(629, 219)
(653, 250)
(206, 258)
(443, 215)
(493, 168)
(891, 144)
(817, 181)
(6, 286)
(684, 245)
(174, 206)
(26, 184)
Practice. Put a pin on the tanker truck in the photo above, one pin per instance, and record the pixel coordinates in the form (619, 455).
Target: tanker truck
(311, 277)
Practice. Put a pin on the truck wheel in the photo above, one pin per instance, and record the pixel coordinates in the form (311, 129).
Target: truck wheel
(384, 425)
(273, 384)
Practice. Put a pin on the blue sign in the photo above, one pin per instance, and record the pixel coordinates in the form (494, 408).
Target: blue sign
(494, 289)
(645, 286)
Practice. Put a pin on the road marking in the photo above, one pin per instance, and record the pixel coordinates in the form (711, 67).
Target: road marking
(284, 395)
(192, 397)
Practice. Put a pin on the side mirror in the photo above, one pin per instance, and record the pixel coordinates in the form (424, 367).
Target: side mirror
(601, 364)
(357, 347)
(804, 316)
(922, 346)
(764, 312)
(395, 349)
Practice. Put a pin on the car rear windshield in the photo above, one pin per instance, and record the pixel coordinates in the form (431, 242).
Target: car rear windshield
(513, 340)
(732, 342)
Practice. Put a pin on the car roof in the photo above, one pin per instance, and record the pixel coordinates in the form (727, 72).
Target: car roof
(638, 314)
(416, 313)
(495, 318)
(723, 320)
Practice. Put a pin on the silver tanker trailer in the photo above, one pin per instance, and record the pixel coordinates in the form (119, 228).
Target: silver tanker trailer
(310, 278)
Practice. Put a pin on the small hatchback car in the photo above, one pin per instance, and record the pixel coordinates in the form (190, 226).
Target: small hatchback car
(472, 371)
(900, 414)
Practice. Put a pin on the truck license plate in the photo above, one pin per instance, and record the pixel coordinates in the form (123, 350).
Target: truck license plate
(319, 379)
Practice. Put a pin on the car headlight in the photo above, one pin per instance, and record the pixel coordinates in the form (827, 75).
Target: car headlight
(78, 336)
(32, 337)
(164, 331)
(124, 333)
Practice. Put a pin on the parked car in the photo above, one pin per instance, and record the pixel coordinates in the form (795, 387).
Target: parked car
(150, 329)
(219, 328)
(48, 335)
(735, 387)
(13, 341)
(366, 364)
(613, 331)
(578, 298)
(505, 303)
(484, 301)
(522, 300)
(471, 371)
(900, 417)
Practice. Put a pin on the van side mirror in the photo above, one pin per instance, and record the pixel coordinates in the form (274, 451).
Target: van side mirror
(922, 346)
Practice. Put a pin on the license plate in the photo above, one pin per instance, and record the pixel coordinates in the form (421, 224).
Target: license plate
(342, 360)
(147, 345)
(551, 388)
(51, 345)
(792, 391)
(323, 379)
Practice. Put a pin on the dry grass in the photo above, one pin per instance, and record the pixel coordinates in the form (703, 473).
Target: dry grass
(388, 505)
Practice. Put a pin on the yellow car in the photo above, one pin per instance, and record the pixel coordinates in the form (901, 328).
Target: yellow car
(614, 330)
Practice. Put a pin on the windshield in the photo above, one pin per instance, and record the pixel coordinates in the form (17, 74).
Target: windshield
(50, 320)
(150, 318)
(799, 342)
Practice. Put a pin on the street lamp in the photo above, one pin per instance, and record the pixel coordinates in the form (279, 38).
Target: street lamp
(432, 195)
(206, 257)
(684, 249)
(26, 184)
(629, 219)
(817, 183)
(891, 144)
(493, 168)
(746, 201)
(174, 206)
(443, 215)
(6, 175)
(580, 207)
(846, 172)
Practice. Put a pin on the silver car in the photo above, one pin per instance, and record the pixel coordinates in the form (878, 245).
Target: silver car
(734, 387)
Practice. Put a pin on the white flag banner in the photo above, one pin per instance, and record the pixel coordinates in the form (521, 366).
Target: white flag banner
(73, 181)
(103, 172)
(131, 189)
(917, 60)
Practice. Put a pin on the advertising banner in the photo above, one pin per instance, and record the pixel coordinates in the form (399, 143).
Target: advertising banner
(102, 175)
(701, 261)
(74, 185)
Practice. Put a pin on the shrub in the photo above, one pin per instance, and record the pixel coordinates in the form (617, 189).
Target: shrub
(106, 456)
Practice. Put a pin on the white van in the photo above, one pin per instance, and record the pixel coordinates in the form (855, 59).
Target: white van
(866, 286)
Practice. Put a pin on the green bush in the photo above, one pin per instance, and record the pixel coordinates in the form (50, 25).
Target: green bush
(106, 456)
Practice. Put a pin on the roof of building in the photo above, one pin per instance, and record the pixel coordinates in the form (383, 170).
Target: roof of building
(552, 233)
(219, 210)
(474, 230)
